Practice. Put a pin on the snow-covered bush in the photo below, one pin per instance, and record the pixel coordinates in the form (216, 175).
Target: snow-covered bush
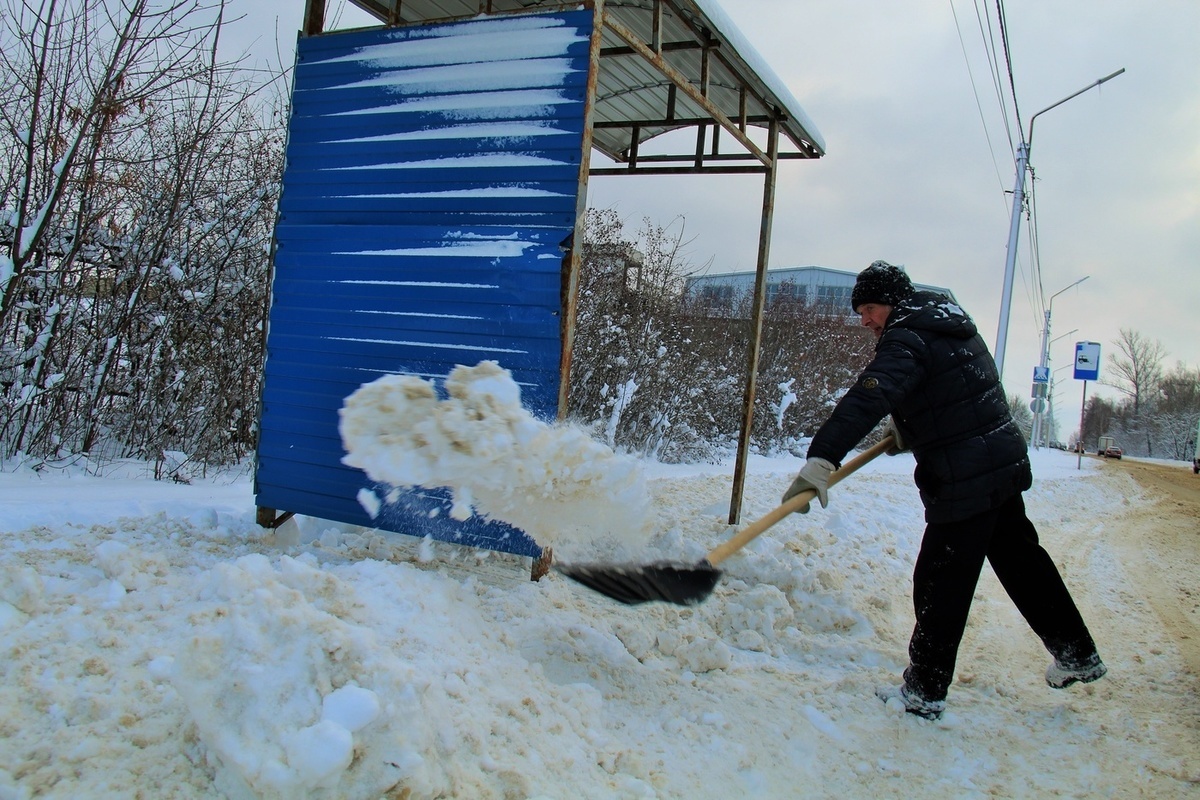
(139, 180)
(655, 373)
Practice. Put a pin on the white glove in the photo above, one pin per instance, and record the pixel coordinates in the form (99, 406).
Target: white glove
(813, 475)
(898, 445)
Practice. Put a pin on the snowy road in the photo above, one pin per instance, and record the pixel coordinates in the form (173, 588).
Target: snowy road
(1161, 544)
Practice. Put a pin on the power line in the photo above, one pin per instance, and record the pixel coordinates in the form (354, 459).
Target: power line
(1031, 279)
(989, 49)
(1008, 63)
(988, 38)
(1034, 291)
(975, 91)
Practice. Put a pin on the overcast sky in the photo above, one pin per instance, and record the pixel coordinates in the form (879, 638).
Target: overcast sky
(910, 177)
(919, 169)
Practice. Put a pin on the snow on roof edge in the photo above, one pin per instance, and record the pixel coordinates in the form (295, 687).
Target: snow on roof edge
(724, 25)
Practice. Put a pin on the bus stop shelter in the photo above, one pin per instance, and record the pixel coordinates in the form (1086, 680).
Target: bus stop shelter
(433, 204)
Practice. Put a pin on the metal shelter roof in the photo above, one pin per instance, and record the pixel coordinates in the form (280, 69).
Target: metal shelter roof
(665, 65)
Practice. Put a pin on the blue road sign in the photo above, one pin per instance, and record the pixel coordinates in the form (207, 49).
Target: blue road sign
(1041, 374)
(1087, 361)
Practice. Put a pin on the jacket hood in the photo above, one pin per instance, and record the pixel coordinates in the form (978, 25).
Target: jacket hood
(932, 312)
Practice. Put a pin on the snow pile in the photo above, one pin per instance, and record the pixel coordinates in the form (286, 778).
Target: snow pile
(555, 482)
(183, 651)
(281, 679)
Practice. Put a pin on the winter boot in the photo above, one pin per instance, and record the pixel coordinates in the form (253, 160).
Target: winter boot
(1060, 675)
(913, 702)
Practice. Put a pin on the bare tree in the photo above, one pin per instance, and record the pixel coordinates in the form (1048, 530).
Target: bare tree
(630, 355)
(73, 73)
(1137, 366)
(1018, 406)
(1180, 389)
(1176, 413)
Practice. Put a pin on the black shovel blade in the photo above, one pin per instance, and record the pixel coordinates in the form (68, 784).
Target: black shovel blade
(662, 581)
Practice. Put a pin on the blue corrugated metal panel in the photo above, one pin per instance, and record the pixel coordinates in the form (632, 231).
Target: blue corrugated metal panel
(431, 181)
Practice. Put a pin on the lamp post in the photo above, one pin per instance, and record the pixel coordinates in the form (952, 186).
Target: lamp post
(1014, 225)
(1055, 339)
(1050, 426)
(1046, 430)
(1045, 357)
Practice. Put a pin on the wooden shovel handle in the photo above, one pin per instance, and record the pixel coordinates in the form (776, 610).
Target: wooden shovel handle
(751, 531)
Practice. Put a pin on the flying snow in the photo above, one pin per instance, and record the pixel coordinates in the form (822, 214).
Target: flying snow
(554, 481)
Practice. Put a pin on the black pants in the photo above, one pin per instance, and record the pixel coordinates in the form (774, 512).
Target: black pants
(944, 581)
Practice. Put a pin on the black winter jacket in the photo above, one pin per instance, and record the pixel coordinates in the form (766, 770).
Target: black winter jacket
(933, 373)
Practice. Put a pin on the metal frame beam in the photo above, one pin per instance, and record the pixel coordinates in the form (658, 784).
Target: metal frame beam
(681, 83)
(756, 320)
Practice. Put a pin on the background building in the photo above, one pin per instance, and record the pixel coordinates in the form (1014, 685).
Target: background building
(721, 293)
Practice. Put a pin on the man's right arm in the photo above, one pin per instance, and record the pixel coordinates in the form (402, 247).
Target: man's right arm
(883, 385)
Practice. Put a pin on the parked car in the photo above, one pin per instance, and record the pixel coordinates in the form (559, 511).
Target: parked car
(1112, 451)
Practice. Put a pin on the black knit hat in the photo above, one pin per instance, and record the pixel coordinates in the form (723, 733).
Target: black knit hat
(881, 283)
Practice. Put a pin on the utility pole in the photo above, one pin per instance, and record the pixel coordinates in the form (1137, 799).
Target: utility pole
(1014, 225)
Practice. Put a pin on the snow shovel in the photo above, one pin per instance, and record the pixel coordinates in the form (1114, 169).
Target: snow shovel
(691, 584)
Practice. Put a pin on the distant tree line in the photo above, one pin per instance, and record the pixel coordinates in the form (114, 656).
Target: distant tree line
(1158, 413)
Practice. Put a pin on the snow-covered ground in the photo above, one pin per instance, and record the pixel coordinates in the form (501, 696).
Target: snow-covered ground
(154, 642)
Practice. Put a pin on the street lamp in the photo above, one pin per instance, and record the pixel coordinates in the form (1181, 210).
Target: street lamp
(1055, 339)
(1014, 225)
(1044, 430)
(1040, 408)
